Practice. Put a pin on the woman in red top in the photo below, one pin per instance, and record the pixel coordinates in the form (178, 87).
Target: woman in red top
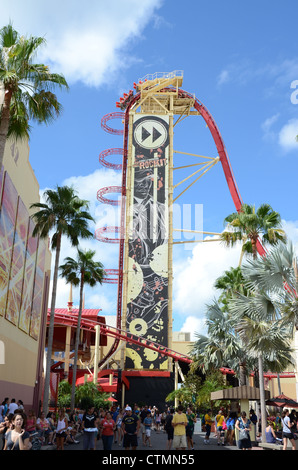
(107, 426)
(31, 422)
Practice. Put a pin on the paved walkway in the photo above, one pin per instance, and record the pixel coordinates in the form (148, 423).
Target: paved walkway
(158, 441)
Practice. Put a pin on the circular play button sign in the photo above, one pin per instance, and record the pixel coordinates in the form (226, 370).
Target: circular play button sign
(150, 134)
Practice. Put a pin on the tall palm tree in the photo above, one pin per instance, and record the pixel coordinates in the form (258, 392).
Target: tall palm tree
(64, 214)
(250, 226)
(277, 275)
(222, 346)
(230, 283)
(84, 270)
(27, 86)
(266, 334)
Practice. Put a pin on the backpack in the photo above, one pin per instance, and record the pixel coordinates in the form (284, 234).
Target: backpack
(36, 443)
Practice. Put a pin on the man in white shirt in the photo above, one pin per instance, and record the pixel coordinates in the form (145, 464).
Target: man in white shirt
(13, 406)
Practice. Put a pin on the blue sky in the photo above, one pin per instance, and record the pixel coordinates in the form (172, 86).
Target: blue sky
(238, 58)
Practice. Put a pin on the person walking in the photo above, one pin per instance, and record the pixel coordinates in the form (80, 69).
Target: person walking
(220, 425)
(286, 430)
(62, 425)
(119, 427)
(108, 426)
(243, 424)
(179, 422)
(208, 424)
(192, 419)
(231, 428)
(130, 426)
(169, 428)
(148, 425)
(143, 415)
(90, 428)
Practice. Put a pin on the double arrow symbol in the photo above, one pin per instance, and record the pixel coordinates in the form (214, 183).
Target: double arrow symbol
(145, 134)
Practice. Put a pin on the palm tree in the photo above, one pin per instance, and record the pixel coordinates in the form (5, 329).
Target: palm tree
(66, 214)
(82, 271)
(250, 226)
(27, 86)
(276, 274)
(231, 283)
(259, 322)
(222, 346)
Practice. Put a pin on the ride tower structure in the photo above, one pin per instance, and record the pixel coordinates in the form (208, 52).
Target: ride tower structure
(146, 234)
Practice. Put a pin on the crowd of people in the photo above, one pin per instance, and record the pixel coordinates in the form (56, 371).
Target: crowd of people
(20, 430)
(128, 427)
(279, 430)
(131, 427)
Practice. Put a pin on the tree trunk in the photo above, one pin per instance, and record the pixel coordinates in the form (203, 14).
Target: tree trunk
(4, 124)
(262, 398)
(76, 354)
(51, 329)
(242, 375)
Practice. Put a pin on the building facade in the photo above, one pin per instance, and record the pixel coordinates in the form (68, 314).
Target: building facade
(24, 280)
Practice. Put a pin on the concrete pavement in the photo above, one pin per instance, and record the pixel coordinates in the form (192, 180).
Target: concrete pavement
(159, 443)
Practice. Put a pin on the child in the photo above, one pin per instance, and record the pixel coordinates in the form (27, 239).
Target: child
(148, 424)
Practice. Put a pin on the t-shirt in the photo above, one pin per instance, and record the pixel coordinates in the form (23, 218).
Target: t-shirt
(89, 421)
(208, 420)
(286, 425)
(147, 422)
(44, 424)
(219, 420)
(12, 407)
(108, 427)
(191, 418)
(130, 423)
(179, 429)
(16, 445)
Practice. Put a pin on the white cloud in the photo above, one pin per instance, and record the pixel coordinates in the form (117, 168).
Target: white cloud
(100, 296)
(194, 325)
(287, 136)
(291, 229)
(223, 77)
(89, 42)
(194, 279)
(267, 125)
(242, 71)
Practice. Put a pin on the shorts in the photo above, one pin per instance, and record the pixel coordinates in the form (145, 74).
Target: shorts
(130, 440)
(208, 430)
(179, 442)
(170, 433)
(189, 431)
(288, 435)
(148, 432)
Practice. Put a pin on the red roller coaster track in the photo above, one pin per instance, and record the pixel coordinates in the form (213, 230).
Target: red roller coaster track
(231, 182)
(109, 190)
(107, 153)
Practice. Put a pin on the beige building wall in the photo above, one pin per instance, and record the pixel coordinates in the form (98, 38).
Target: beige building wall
(21, 364)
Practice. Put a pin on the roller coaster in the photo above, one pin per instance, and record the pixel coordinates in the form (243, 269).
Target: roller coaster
(160, 88)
